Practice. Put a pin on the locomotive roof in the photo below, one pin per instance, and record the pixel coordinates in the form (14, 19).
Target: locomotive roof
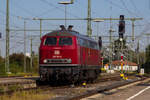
(69, 33)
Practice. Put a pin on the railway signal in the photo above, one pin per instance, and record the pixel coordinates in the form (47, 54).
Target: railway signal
(7, 38)
(121, 30)
(121, 58)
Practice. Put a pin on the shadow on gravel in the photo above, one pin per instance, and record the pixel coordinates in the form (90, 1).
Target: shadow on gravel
(143, 84)
(108, 93)
(52, 84)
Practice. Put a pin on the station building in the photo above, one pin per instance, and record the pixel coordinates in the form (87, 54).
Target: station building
(127, 66)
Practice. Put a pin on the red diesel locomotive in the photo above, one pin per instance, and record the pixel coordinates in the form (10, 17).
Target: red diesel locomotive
(67, 55)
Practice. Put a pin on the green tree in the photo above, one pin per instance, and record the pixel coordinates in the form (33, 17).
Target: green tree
(119, 46)
(2, 65)
(17, 62)
(147, 64)
(148, 53)
(35, 63)
(105, 61)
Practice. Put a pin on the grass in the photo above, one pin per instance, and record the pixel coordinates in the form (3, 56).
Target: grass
(14, 87)
(2, 89)
(28, 95)
(18, 74)
(147, 75)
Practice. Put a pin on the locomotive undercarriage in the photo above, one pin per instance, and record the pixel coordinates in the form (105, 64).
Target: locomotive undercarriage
(71, 74)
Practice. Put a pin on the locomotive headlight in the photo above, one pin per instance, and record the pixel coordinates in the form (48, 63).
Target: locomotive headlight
(45, 61)
(69, 60)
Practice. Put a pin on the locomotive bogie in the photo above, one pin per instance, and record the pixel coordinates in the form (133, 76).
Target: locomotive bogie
(70, 74)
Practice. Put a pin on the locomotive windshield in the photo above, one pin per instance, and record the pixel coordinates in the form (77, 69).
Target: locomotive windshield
(51, 41)
(65, 41)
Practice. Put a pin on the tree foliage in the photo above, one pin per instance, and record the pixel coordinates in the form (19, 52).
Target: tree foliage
(2, 65)
(147, 64)
(148, 53)
(17, 63)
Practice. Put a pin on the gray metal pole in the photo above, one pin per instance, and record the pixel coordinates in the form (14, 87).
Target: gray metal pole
(65, 15)
(110, 49)
(97, 30)
(40, 40)
(132, 55)
(89, 30)
(31, 60)
(7, 37)
(138, 61)
(24, 46)
(132, 30)
(110, 40)
(40, 28)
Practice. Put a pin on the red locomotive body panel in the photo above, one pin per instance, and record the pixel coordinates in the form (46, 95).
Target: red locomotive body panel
(89, 56)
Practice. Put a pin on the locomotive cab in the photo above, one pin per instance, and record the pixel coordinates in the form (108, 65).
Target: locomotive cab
(58, 50)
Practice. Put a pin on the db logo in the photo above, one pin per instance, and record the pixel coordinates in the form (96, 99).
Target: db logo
(56, 52)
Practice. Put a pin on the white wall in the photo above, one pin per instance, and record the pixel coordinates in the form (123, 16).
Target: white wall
(126, 67)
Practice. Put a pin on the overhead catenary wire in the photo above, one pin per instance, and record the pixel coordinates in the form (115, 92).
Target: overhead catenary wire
(136, 9)
(124, 5)
(21, 8)
(130, 12)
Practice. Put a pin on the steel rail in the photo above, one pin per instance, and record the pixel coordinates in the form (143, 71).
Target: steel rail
(103, 89)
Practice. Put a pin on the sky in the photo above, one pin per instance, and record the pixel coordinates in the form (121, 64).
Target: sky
(29, 9)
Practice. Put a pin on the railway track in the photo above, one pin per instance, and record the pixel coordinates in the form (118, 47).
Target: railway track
(10, 84)
(69, 92)
(103, 89)
(93, 89)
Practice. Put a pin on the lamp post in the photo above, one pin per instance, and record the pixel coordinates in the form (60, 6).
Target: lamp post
(97, 21)
(65, 3)
(7, 38)
(25, 47)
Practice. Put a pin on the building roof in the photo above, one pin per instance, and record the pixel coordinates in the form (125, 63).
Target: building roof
(118, 62)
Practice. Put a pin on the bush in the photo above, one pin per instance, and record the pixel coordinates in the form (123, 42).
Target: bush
(15, 68)
(17, 64)
(2, 65)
